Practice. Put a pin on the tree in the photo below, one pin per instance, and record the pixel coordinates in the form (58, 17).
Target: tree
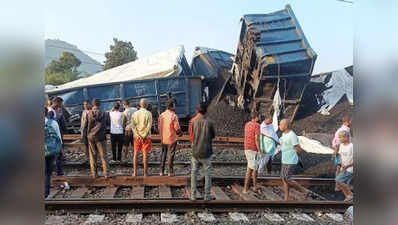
(121, 52)
(62, 70)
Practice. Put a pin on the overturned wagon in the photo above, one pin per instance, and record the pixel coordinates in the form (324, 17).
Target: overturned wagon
(156, 78)
(273, 59)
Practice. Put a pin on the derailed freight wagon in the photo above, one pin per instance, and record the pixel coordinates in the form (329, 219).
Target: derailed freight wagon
(156, 78)
(273, 56)
(214, 65)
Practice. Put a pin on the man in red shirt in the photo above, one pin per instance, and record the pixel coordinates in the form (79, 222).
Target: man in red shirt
(190, 130)
(169, 128)
(252, 149)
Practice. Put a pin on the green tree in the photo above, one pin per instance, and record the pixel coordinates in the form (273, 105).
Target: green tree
(121, 52)
(62, 70)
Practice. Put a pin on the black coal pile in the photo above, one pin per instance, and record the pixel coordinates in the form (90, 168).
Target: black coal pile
(318, 123)
(230, 120)
(309, 120)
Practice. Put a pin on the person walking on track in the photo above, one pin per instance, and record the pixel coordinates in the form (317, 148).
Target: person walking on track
(252, 150)
(289, 147)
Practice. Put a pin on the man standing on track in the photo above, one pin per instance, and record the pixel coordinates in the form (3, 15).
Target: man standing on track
(169, 128)
(252, 150)
(96, 135)
(190, 130)
(289, 147)
(49, 159)
(61, 116)
(86, 109)
(117, 133)
(204, 133)
(141, 123)
(128, 134)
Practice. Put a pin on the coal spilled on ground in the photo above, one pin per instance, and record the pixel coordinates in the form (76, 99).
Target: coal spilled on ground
(229, 120)
(318, 123)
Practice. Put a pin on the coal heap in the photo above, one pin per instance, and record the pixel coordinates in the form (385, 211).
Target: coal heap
(230, 120)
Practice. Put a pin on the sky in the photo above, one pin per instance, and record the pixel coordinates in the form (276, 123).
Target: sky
(154, 26)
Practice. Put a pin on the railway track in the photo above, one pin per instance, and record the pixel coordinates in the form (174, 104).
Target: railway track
(233, 146)
(78, 165)
(74, 141)
(158, 194)
(156, 138)
(130, 199)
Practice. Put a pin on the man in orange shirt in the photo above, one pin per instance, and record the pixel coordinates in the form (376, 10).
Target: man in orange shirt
(169, 128)
(190, 130)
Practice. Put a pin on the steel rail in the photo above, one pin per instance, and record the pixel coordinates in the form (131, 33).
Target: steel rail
(179, 180)
(154, 163)
(233, 146)
(73, 137)
(152, 206)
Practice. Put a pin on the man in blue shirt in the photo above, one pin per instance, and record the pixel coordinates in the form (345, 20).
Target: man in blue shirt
(289, 147)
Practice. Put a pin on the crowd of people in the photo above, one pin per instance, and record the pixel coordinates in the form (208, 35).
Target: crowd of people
(132, 127)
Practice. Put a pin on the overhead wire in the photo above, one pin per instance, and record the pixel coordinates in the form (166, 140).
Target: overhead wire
(346, 1)
(76, 49)
(83, 62)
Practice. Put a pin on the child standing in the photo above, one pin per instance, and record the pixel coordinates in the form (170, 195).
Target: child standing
(346, 126)
(268, 141)
(344, 178)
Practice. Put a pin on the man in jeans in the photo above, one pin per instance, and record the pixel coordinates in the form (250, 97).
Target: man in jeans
(169, 128)
(190, 131)
(96, 134)
(49, 118)
(204, 132)
(61, 116)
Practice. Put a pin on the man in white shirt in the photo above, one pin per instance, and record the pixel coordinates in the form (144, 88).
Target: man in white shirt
(116, 119)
